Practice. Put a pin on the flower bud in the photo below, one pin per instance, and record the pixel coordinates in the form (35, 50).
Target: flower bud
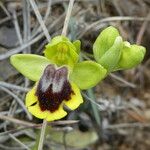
(131, 56)
(110, 59)
(104, 42)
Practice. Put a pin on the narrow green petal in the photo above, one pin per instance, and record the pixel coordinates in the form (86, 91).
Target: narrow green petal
(30, 65)
(87, 74)
(77, 44)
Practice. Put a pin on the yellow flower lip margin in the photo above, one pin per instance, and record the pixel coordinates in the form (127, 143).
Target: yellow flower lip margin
(32, 104)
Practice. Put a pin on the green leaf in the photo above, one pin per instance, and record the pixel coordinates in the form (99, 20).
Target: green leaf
(31, 66)
(104, 41)
(61, 52)
(87, 74)
(110, 59)
(73, 138)
(131, 56)
(95, 109)
(77, 44)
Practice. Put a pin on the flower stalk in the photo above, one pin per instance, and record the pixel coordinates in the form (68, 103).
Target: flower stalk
(43, 129)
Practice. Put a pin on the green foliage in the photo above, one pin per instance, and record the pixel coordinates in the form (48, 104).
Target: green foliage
(31, 66)
(87, 74)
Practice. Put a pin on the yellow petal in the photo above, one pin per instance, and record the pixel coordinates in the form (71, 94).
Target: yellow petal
(30, 97)
(36, 111)
(49, 116)
(76, 98)
(58, 114)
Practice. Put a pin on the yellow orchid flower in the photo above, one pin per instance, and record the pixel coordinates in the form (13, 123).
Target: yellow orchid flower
(59, 77)
(51, 93)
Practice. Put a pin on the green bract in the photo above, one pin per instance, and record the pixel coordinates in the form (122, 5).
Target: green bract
(61, 51)
(87, 74)
(114, 54)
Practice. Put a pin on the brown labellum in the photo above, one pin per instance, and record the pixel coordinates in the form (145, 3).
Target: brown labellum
(53, 88)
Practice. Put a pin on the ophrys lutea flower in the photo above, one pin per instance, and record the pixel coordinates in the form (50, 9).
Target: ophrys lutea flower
(51, 93)
(59, 77)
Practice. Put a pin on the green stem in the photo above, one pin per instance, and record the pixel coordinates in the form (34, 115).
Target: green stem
(43, 129)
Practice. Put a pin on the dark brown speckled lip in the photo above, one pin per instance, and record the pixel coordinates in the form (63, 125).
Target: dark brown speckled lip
(53, 88)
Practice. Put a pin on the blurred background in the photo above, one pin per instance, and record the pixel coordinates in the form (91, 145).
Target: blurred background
(115, 114)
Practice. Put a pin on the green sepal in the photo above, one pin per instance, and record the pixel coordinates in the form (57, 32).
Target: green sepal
(61, 51)
(87, 74)
(110, 59)
(104, 42)
(30, 65)
(77, 44)
(131, 56)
